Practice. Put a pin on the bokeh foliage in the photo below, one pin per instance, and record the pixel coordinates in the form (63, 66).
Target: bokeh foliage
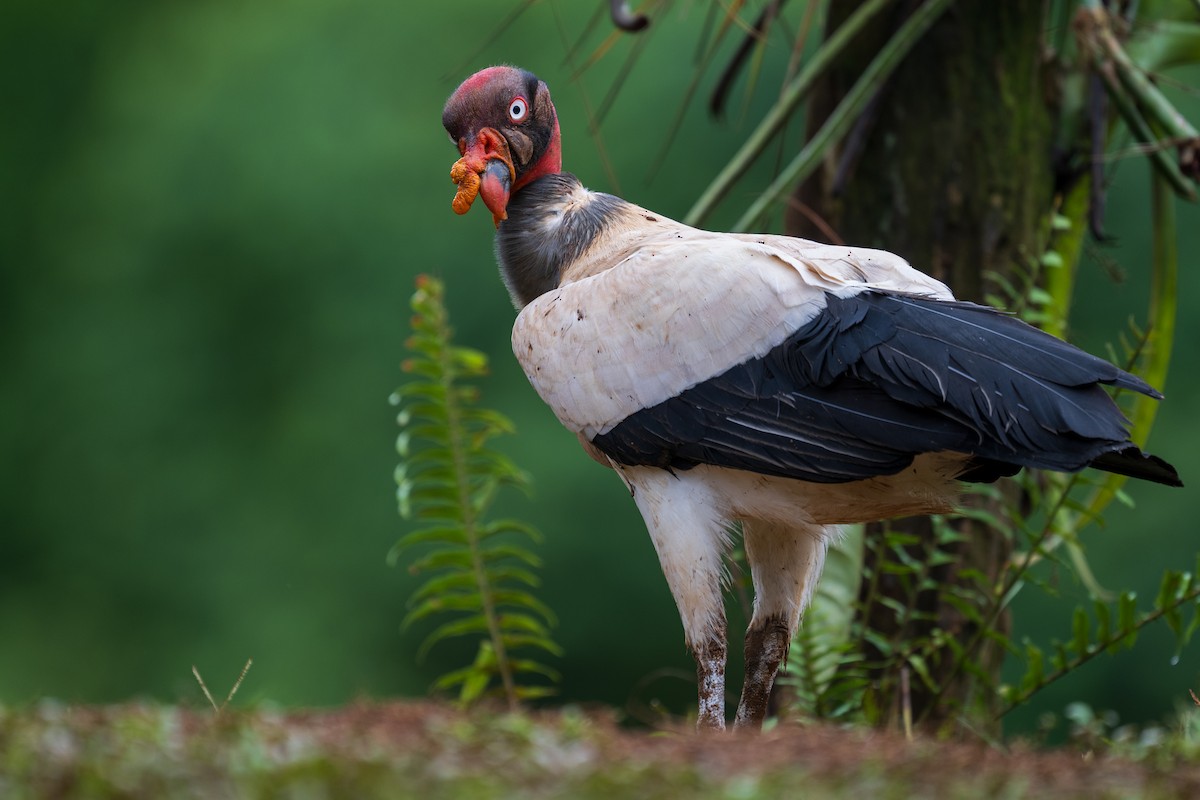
(211, 219)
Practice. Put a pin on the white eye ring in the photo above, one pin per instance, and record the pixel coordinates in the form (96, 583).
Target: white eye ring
(518, 109)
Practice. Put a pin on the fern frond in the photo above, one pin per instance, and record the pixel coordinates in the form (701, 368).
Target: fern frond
(480, 573)
(1108, 628)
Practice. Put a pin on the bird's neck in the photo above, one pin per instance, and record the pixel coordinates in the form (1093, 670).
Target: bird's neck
(551, 223)
(549, 163)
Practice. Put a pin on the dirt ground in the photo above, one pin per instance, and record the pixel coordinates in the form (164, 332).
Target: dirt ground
(430, 750)
(819, 750)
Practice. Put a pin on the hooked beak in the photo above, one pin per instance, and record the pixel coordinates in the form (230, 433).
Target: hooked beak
(486, 170)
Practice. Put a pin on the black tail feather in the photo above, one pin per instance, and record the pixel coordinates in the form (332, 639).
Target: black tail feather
(1133, 463)
(1129, 461)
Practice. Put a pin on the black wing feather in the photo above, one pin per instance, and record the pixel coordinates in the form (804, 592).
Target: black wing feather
(878, 378)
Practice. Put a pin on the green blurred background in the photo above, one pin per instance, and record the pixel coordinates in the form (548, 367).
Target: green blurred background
(211, 216)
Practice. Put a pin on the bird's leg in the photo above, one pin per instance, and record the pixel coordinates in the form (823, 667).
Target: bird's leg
(767, 644)
(691, 538)
(710, 658)
(785, 562)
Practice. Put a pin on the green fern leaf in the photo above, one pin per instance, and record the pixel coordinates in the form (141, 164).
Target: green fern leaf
(446, 601)
(510, 573)
(515, 640)
(444, 559)
(497, 552)
(510, 526)
(432, 535)
(464, 626)
(450, 582)
(447, 481)
(523, 623)
(523, 599)
(533, 667)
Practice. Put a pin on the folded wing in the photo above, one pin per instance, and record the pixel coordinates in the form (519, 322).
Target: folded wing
(877, 379)
(813, 364)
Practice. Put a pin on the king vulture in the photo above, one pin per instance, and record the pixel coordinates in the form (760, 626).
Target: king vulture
(784, 384)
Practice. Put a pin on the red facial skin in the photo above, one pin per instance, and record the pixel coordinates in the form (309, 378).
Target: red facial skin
(486, 168)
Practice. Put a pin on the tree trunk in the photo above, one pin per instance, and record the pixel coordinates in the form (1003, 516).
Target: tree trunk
(951, 167)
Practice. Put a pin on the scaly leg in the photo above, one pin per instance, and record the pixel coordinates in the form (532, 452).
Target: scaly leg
(785, 563)
(710, 679)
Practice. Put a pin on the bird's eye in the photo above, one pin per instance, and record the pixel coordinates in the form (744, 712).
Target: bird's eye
(517, 109)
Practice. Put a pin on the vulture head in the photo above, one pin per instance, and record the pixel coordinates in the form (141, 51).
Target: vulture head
(506, 131)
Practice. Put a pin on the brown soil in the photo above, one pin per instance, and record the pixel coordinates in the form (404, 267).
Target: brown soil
(816, 749)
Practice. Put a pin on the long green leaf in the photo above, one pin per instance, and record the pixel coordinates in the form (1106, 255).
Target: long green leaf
(796, 91)
(1162, 44)
(1161, 158)
(1162, 315)
(839, 122)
